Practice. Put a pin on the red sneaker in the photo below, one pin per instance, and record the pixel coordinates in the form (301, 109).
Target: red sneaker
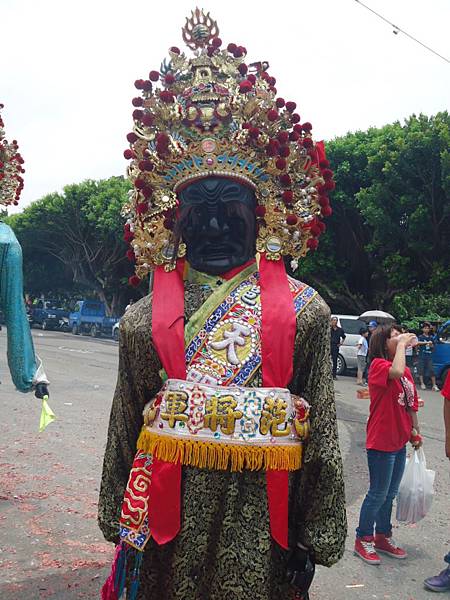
(364, 548)
(386, 545)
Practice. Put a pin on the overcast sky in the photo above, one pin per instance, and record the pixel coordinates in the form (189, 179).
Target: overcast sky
(67, 69)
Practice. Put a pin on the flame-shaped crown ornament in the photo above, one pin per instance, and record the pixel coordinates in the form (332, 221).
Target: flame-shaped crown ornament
(199, 30)
(11, 180)
(215, 115)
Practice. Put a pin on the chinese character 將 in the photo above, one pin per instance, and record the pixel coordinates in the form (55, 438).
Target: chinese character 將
(220, 412)
(273, 415)
(175, 405)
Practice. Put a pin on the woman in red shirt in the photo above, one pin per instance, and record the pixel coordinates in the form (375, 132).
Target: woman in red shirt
(392, 423)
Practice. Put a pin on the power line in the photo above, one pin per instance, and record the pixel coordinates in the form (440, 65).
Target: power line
(397, 29)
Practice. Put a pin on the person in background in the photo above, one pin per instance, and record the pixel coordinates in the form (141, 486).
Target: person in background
(426, 347)
(361, 355)
(371, 327)
(441, 582)
(392, 423)
(337, 339)
(409, 353)
(130, 303)
(411, 357)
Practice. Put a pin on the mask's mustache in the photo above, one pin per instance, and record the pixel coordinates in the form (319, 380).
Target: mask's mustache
(221, 247)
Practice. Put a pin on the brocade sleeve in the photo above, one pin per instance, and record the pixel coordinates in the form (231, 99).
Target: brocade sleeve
(138, 382)
(320, 508)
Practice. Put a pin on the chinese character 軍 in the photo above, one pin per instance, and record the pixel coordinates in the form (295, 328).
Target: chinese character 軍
(272, 416)
(175, 406)
(220, 412)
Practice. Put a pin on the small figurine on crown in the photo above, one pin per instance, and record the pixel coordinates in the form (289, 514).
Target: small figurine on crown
(224, 385)
(25, 366)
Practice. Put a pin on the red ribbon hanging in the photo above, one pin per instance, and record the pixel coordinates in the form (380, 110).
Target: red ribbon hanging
(168, 319)
(278, 323)
(277, 349)
(277, 483)
(164, 507)
(168, 338)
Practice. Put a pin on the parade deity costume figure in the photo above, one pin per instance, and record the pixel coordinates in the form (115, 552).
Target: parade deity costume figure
(25, 367)
(222, 447)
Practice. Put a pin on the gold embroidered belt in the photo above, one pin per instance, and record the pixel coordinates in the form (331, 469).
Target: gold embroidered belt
(232, 427)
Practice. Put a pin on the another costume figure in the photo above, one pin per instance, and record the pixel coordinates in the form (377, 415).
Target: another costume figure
(25, 367)
(222, 450)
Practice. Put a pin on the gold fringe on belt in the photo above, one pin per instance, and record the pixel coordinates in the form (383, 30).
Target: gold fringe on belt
(220, 456)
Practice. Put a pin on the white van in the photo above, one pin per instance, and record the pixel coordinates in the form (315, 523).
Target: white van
(347, 352)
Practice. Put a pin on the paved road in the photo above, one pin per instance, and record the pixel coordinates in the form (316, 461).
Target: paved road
(50, 546)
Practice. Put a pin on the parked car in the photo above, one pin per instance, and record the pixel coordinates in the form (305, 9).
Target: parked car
(351, 325)
(89, 316)
(115, 331)
(441, 353)
(48, 314)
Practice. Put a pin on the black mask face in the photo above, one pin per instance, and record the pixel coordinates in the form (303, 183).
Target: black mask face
(217, 224)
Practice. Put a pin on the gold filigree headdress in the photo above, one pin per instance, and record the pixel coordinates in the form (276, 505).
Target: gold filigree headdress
(11, 180)
(214, 114)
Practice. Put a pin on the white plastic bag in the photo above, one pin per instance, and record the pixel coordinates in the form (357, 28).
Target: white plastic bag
(415, 494)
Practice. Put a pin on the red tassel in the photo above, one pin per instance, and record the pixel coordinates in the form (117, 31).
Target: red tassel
(109, 591)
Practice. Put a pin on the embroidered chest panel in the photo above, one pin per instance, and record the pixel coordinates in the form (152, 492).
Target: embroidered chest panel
(227, 348)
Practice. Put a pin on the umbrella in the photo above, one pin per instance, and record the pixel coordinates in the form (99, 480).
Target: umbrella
(376, 315)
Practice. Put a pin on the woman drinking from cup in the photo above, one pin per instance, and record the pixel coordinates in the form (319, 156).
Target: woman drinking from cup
(392, 423)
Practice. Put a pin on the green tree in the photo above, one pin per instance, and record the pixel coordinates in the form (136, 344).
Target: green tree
(390, 229)
(82, 231)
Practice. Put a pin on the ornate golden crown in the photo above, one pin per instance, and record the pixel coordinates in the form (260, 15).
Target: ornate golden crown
(11, 180)
(214, 114)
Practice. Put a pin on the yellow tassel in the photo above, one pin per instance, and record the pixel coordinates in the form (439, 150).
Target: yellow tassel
(220, 456)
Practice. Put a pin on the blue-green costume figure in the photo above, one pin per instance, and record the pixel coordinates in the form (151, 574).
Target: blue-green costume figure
(26, 369)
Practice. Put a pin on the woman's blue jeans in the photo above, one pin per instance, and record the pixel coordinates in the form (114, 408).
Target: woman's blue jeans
(385, 471)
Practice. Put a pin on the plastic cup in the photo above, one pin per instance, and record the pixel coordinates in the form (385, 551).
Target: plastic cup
(414, 342)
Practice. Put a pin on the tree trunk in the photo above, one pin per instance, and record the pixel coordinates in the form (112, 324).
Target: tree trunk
(114, 303)
(102, 296)
(351, 302)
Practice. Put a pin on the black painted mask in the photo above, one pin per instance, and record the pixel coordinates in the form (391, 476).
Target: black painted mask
(217, 224)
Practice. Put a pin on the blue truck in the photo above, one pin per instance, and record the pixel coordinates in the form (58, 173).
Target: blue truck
(441, 353)
(48, 314)
(89, 317)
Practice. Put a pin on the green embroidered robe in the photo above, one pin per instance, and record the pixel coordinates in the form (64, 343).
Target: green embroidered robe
(224, 550)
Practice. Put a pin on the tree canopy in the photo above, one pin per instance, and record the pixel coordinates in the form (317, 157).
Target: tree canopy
(77, 236)
(387, 242)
